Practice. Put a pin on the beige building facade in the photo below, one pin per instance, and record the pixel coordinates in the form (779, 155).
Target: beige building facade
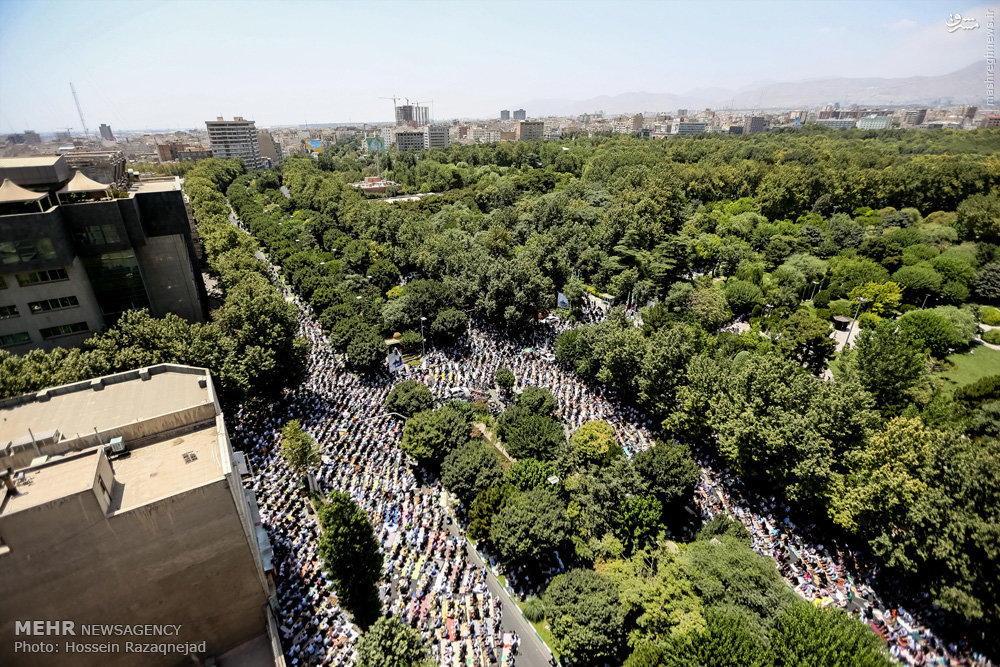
(155, 529)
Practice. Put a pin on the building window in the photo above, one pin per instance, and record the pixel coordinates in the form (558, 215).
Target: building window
(47, 305)
(63, 330)
(15, 252)
(3, 283)
(10, 340)
(40, 277)
(93, 235)
(8, 312)
(117, 283)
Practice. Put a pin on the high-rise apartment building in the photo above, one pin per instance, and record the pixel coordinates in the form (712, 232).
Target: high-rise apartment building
(754, 125)
(530, 130)
(435, 136)
(412, 115)
(106, 133)
(519, 114)
(270, 150)
(236, 138)
(914, 116)
(126, 505)
(74, 256)
(505, 114)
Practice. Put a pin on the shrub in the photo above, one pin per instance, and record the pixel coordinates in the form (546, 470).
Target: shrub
(534, 609)
(992, 337)
(410, 341)
(980, 391)
(989, 315)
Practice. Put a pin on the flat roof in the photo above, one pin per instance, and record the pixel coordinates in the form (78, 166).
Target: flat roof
(53, 480)
(166, 185)
(166, 468)
(146, 474)
(82, 409)
(42, 161)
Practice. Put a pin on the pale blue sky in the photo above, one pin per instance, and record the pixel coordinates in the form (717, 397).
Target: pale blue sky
(175, 64)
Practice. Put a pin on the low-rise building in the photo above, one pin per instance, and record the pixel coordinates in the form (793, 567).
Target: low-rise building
(874, 122)
(687, 127)
(837, 123)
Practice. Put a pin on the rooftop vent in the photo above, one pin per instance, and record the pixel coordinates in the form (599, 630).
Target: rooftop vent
(190, 457)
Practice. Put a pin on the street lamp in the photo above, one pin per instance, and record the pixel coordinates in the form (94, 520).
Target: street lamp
(861, 300)
(423, 350)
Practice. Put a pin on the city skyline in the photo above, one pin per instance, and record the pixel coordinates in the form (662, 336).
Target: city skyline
(160, 65)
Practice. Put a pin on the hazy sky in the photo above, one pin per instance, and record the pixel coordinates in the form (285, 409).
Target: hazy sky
(175, 64)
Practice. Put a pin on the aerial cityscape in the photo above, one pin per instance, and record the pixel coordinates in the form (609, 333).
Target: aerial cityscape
(578, 333)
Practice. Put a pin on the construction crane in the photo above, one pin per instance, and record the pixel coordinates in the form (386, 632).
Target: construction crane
(393, 98)
(86, 132)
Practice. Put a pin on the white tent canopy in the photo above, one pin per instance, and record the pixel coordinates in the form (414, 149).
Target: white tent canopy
(11, 192)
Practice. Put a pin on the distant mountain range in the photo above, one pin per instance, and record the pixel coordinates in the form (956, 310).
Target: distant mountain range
(964, 86)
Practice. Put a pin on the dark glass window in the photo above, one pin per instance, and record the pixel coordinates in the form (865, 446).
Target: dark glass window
(93, 235)
(63, 330)
(16, 252)
(117, 283)
(39, 277)
(45, 306)
(10, 340)
(7, 312)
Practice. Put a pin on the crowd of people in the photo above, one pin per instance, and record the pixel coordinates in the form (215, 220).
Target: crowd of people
(834, 575)
(429, 581)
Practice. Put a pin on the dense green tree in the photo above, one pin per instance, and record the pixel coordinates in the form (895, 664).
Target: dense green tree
(807, 340)
(351, 556)
(367, 351)
(528, 526)
(537, 400)
(504, 378)
(890, 365)
(526, 434)
(429, 436)
(391, 643)
(471, 469)
(586, 617)
(807, 636)
(298, 448)
(668, 473)
(528, 474)
(594, 443)
(449, 325)
(485, 507)
(409, 397)
(710, 308)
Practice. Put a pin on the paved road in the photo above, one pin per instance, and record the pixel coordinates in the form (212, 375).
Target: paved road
(532, 652)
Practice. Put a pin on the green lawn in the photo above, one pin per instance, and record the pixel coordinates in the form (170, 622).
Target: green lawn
(968, 367)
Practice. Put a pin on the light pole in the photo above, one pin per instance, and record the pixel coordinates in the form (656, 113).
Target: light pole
(423, 350)
(861, 300)
(815, 289)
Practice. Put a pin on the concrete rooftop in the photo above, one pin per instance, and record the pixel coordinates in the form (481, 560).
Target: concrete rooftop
(83, 409)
